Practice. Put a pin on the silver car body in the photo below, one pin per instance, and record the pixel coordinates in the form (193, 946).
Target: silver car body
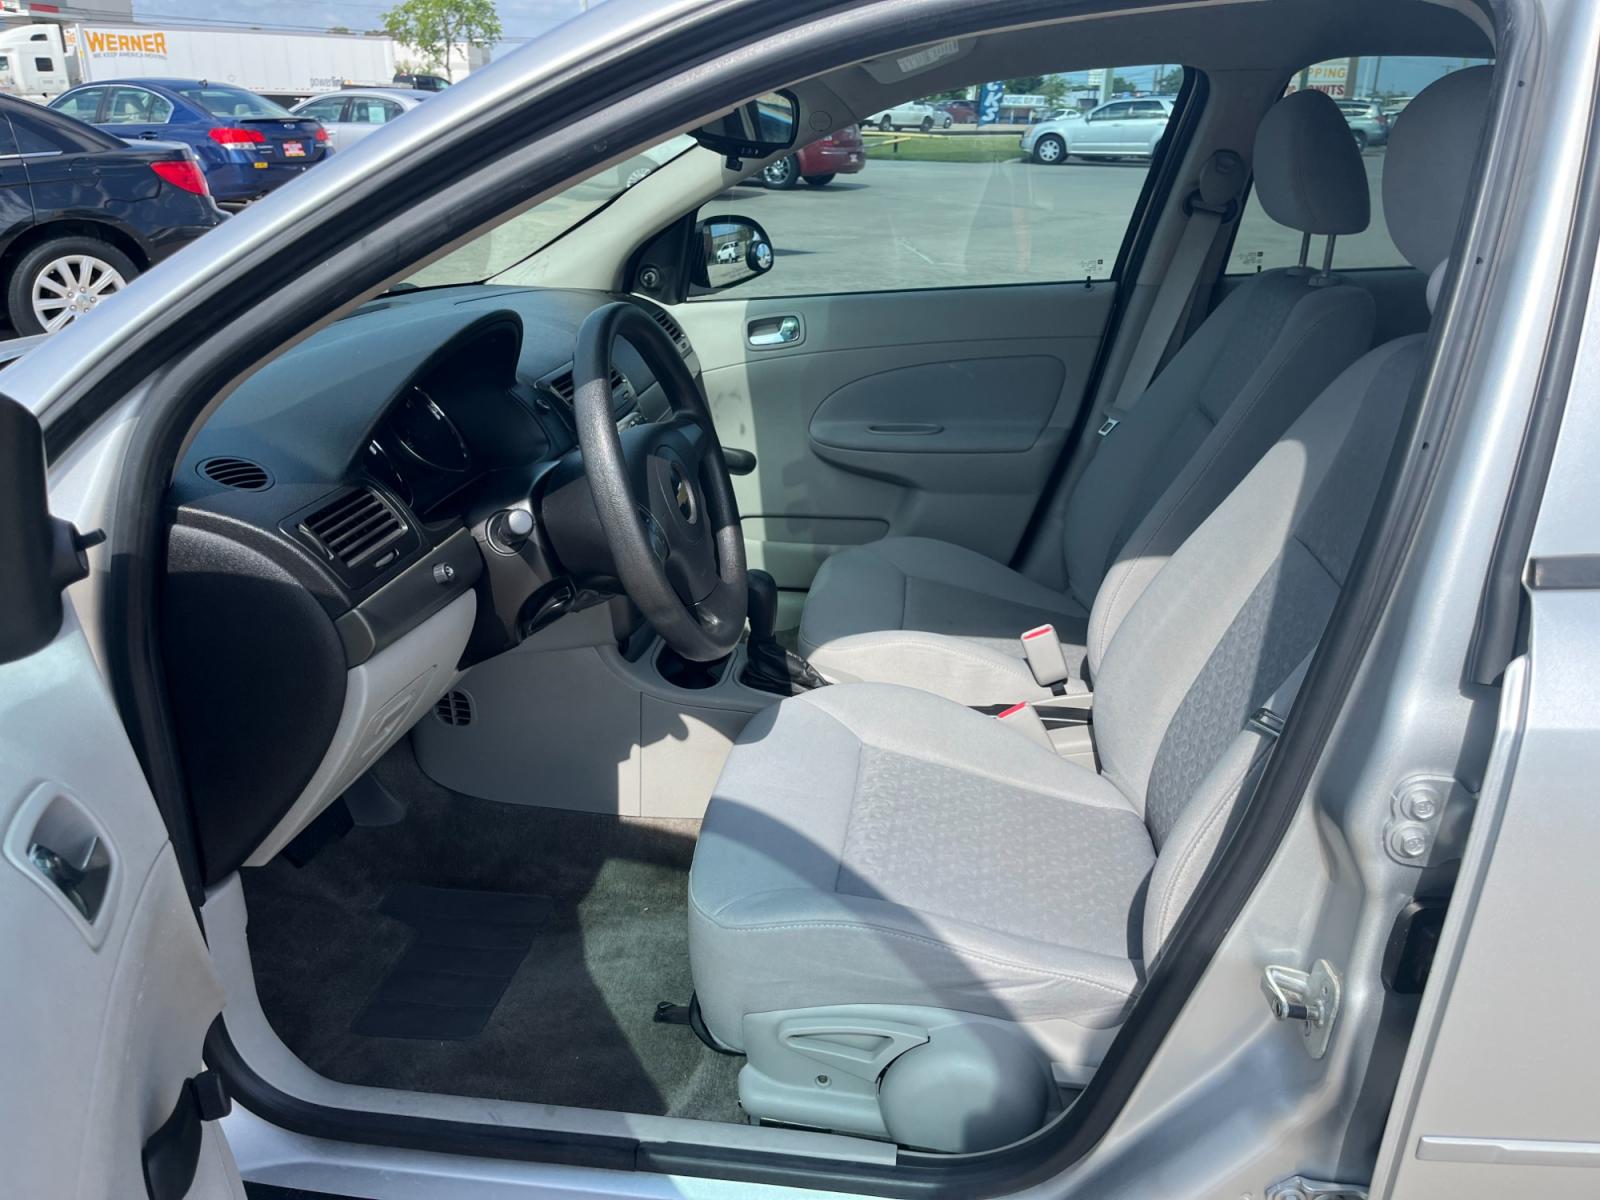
(910, 115)
(1117, 129)
(353, 113)
(1490, 1098)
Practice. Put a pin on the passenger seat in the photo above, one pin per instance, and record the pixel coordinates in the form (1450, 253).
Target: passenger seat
(947, 619)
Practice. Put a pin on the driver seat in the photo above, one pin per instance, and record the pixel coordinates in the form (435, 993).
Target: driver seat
(915, 920)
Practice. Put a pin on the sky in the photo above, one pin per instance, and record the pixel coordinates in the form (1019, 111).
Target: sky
(524, 19)
(520, 19)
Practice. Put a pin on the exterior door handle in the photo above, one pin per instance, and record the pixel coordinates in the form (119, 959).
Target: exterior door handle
(767, 332)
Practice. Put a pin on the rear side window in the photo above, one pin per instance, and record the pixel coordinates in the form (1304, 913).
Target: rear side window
(1372, 93)
(38, 135)
(136, 106)
(369, 110)
(1006, 199)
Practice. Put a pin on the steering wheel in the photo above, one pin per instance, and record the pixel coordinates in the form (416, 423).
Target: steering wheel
(661, 490)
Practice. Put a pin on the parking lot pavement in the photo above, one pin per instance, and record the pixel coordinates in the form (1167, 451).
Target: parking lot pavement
(922, 225)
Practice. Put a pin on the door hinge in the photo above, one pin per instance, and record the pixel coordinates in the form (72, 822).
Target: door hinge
(1310, 997)
(1298, 1187)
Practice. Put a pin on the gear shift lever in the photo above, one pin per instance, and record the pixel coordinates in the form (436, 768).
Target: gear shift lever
(768, 666)
(763, 606)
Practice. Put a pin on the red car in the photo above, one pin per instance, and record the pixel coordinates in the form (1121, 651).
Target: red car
(840, 153)
(962, 112)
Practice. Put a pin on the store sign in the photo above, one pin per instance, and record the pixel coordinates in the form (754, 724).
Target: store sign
(989, 103)
(1330, 77)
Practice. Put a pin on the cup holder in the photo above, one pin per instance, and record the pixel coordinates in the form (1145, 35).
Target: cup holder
(691, 676)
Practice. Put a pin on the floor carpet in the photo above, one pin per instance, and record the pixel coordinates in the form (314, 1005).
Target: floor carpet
(603, 904)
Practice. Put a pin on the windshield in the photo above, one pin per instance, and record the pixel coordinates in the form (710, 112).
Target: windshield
(508, 244)
(235, 104)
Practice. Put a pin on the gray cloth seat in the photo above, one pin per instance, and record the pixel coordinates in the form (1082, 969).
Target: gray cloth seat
(938, 616)
(875, 845)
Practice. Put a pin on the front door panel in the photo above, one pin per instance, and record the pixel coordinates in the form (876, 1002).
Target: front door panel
(922, 413)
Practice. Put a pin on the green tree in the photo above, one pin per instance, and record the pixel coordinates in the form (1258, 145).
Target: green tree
(433, 26)
(1026, 85)
(1054, 89)
(1169, 81)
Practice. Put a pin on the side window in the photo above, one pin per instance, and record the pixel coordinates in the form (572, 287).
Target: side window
(366, 110)
(46, 65)
(1372, 93)
(8, 141)
(331, 109)
(83, 105)
(1111, 112)
(136, 106)
(34, 136)
(982, 204)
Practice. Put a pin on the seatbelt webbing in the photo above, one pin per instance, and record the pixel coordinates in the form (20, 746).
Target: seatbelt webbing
(1268, 719)
(1172, 301)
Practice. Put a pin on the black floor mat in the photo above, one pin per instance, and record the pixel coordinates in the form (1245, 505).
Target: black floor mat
(465, 947)
(573, 1025)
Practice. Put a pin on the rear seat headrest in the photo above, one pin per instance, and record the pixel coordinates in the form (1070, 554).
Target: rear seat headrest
(1309, 174)
(1427, 171)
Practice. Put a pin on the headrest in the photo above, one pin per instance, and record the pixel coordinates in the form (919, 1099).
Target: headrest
(1427, 171)
(1309, 174)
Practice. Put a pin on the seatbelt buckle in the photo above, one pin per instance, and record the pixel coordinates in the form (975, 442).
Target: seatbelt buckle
(1107, 426)
(1042, 649)
(1025, 720)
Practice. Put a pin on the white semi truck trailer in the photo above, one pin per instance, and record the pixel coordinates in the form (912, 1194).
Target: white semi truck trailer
(40, 61)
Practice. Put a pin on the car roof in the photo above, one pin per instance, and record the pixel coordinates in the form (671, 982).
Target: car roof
(385, 92)
(157, 83)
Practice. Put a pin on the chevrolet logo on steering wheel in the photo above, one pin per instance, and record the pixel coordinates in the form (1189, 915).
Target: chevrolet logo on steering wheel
(682, 494)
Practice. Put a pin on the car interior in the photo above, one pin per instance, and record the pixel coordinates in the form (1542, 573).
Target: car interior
(624, 682)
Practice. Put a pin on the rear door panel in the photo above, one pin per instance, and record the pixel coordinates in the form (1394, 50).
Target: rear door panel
(934, 413)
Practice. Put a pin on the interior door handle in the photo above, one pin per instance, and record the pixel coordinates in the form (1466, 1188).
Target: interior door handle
(766, 332)
(56, 842)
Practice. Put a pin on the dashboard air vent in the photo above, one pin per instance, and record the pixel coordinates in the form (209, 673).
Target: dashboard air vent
(454, 708)
(563, 386)
(354, 527)
(238, 473)
(674, 330)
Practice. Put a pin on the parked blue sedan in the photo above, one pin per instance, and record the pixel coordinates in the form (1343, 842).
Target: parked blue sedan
(246, 145)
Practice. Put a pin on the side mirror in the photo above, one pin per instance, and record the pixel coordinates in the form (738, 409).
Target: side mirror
(731, 250)
(39, 555)
(756, 129)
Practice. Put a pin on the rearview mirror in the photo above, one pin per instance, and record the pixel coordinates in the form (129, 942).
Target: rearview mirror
(755, 129)
(731, 250)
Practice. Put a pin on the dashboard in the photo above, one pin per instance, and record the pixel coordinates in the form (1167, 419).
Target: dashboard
(344, 497)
